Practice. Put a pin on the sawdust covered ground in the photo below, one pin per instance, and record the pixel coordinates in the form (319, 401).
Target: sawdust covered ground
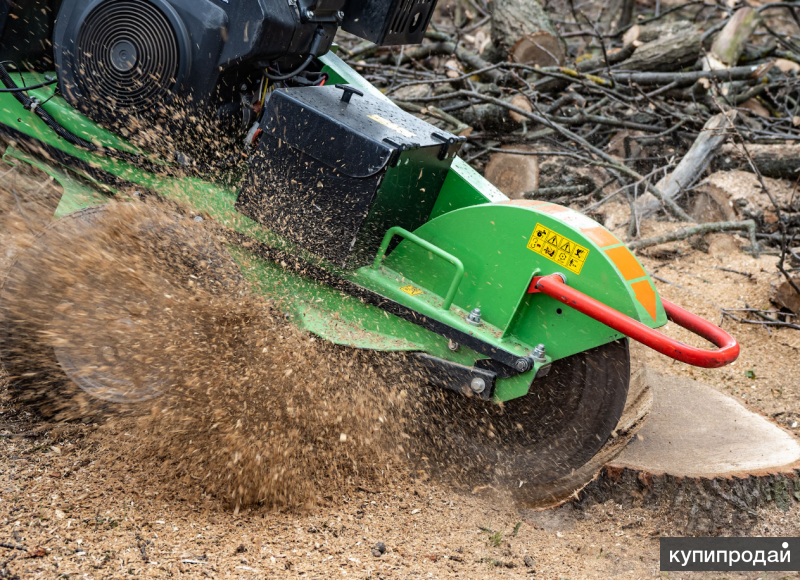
(156, 494)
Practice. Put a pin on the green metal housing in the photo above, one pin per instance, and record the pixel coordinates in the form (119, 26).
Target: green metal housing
(474, 252)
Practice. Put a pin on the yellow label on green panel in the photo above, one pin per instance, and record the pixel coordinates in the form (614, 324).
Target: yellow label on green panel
(558, 249)
(411, 290)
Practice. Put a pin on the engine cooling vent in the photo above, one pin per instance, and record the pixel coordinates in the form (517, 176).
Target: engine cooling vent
(412, 16)
(128, 56)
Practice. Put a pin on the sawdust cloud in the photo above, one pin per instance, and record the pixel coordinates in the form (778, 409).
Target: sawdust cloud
(238, 403)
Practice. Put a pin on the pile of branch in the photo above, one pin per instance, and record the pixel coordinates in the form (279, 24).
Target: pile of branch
(613, 101)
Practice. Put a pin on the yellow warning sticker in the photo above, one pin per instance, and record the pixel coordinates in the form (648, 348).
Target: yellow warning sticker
(411, 290)
(558, 249)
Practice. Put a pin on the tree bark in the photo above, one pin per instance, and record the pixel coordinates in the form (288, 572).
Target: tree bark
(666, 53)
(786, 297)
(644, 33)
(514, 19)
(779, 161)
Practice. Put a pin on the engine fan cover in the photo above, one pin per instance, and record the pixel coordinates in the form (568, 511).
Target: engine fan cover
(123, 57)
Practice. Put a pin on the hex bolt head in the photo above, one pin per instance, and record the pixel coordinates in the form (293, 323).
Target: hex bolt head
(478, 385)
(538, 353)
(340, 16)
(453, 345)
(523, 365)
(474, 317)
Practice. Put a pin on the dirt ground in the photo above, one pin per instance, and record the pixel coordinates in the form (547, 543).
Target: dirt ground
(76, 501)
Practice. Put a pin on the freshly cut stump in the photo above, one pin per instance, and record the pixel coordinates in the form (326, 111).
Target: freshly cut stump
(703, 451)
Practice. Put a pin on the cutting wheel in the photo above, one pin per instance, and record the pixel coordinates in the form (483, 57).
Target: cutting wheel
(85, 313)
(528, 442)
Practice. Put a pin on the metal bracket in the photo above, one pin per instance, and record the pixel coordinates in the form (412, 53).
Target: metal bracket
(455, 377)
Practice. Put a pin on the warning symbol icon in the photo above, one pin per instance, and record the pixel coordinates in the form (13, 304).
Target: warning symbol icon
(557, 248)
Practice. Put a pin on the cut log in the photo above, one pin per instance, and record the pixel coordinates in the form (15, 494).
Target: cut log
(668, 52)
(781, 161)
(513, 20)
(786, 297)
(513, 174)
(490, 117)
(787, 66)
(540, 48)
(521, 102)
(644, 33)
(736, 195)
(704, 456)
(693, 164)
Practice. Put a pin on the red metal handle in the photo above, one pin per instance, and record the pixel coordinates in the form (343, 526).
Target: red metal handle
(555, 287)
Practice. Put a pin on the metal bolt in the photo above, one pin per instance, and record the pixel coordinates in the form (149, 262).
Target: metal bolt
(310, 14)
(538, 353)
(478, 385)
(340, 16)
(453, 345)
(474, 317)
(523, 365)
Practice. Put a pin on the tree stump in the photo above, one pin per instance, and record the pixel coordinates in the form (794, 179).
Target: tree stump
(704, 457)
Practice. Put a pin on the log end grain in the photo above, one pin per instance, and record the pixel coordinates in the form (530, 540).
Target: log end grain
(703, 456)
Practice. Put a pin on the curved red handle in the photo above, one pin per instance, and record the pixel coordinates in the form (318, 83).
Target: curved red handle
(555, 287)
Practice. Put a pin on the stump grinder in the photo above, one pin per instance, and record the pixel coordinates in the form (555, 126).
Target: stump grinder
(360, 219)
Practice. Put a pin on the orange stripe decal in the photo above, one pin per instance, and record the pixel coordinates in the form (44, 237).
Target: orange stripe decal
(646, 296)
(626, 262)
(524, 202)
(601, 236)
(553, 208)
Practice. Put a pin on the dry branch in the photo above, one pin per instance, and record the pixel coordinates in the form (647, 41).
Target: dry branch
(694, 162)
(730, 42)
(717, 227)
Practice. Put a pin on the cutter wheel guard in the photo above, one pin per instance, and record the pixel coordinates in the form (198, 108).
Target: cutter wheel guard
(360, 219)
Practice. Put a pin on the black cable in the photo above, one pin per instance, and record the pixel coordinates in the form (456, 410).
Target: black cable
(30, 88)
(319, 34)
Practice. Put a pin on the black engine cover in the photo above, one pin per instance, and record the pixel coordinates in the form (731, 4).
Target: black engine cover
(333, 172)
(130, 57)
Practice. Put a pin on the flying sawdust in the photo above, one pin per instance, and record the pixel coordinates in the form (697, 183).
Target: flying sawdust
(144, 310)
